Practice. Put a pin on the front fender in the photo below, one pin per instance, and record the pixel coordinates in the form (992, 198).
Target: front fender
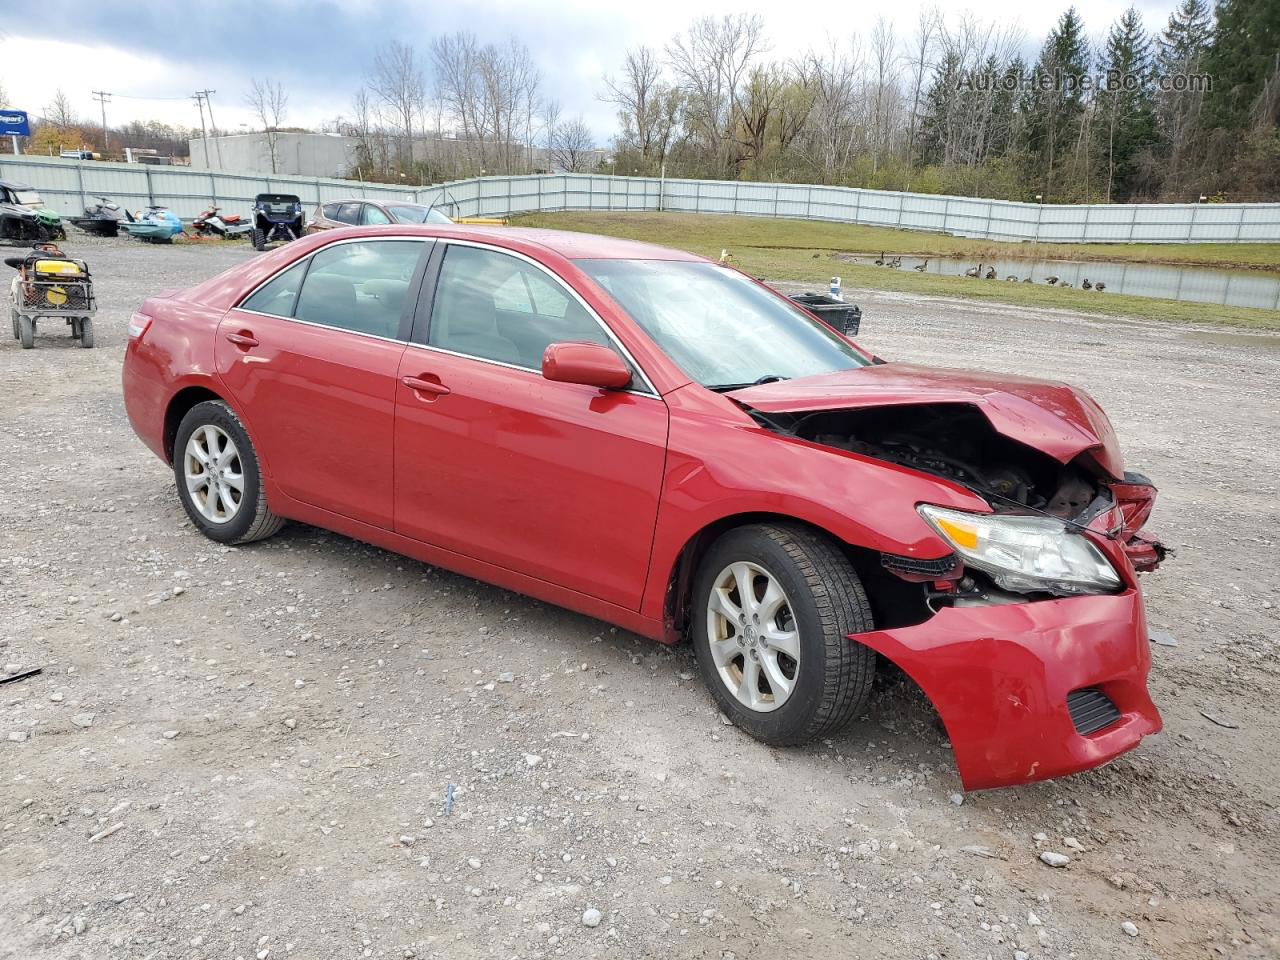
(721, 464)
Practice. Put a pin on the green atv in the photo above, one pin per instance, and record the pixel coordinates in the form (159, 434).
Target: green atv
(25, 218)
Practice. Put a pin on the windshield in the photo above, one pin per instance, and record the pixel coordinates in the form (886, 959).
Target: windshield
(723, 329)
(29, 198)
(405, 213)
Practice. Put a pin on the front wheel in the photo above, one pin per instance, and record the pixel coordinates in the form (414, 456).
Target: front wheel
(27, 331)
(774, 607)
(259, 239)
(86, 332)
(218, 476)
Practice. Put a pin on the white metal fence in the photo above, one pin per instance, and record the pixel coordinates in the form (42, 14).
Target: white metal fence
(68, 185)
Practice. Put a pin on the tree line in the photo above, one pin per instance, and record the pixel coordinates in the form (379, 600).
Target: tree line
(953, 106)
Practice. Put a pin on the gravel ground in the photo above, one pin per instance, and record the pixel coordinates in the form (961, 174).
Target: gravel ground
(248, 752)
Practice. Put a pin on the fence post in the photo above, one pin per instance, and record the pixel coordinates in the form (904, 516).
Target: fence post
(1191, 229)
(1239, 222)
(508, 196)
(697, 196)
(1084, 231)
(736, 185)
(946, 213)
(151, 196)
(213, 190)
(80, 179)
(808, 203)
(777, 188)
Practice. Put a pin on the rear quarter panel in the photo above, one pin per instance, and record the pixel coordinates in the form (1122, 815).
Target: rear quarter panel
(175, 352)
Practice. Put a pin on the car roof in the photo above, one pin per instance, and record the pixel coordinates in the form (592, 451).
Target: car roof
(14, 185)
(572, 245)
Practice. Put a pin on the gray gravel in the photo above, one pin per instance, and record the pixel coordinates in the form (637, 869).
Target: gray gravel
(275, 732)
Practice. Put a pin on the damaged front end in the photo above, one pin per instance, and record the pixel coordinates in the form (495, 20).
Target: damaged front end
(1038, 503)
(1029, 637)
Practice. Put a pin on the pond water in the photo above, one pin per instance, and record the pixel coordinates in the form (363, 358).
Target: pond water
(1240, 288)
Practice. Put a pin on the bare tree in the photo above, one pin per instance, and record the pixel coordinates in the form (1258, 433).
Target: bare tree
(60, 112)
(647, 106)
(711, 63)
(396, 80)
(884, 88)
(919, 59)
(571, 148)
(550, 127)
(269, 103)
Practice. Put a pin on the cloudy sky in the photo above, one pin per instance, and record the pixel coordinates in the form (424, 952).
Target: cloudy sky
(144, 52)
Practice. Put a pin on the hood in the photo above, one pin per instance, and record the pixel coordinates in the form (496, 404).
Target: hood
(1051, 417)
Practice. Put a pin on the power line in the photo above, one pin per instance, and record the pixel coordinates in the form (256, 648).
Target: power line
(103, 99)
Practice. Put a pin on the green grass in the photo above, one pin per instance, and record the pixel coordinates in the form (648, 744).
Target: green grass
(720, 230)
(786, 249)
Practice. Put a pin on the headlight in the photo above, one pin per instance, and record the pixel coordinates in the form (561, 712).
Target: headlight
(1025, 554)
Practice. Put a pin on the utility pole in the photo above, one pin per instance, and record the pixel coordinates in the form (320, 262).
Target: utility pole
(205, 96)
(198, 97)
(103, 98)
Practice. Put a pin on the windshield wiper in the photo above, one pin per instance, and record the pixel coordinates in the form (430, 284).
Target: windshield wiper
(725, 387)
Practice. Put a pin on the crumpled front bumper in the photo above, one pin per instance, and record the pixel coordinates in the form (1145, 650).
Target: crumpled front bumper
(999, 677)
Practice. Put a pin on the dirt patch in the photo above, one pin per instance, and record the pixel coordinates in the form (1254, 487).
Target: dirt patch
(276, 728)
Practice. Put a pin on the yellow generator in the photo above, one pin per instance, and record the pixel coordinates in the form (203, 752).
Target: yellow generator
(50, 284)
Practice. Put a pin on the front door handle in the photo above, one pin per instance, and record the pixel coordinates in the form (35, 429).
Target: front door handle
(243, 339)
(432, 387)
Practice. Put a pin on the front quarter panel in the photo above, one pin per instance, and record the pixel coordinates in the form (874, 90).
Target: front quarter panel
(720, 464)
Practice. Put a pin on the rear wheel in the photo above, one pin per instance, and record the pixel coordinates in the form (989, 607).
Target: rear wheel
(27, 331)
(13, 316)
(86, 332)
(774, 605)
(259, 239)
(218, 476)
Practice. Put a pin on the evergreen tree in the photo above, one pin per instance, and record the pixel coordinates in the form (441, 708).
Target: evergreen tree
(1125, 103)
(1243, 56)
(1055, 107)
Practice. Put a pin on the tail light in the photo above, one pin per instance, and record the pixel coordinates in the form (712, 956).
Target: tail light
(138, 324)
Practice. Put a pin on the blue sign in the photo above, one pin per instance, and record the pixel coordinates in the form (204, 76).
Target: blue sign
(14, 123)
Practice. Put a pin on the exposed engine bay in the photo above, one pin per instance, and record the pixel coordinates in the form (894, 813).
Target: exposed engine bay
(957, 442)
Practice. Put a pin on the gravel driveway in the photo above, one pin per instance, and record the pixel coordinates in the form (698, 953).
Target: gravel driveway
(238, 753)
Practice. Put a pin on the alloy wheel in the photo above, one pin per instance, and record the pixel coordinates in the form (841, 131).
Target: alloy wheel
(214, 473)
(753, 635)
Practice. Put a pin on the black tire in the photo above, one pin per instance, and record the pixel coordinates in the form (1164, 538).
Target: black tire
(259, 239)
(254, 520)
(833, 675)
(13, 316)
(86, 332)
(27, 331)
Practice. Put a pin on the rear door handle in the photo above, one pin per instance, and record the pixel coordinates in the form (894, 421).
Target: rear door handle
(244, 339)
(433, 387)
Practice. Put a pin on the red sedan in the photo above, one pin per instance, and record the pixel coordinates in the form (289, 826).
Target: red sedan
(659, 441)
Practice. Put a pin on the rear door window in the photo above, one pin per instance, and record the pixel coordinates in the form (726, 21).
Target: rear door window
(347, 212)
(330, 211)
(361, 286)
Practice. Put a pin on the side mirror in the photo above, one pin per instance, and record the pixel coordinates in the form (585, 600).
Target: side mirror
(589, 364)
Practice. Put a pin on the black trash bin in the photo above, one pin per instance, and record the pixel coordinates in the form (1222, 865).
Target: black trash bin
(845, 317)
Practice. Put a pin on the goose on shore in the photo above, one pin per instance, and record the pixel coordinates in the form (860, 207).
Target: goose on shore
(1051, 280)
(990, 274)
(973, 271)
(1099, 286)
(1027, 280)
(1011, 278)
(1085, 284)
(919, 267)
(880, 260)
